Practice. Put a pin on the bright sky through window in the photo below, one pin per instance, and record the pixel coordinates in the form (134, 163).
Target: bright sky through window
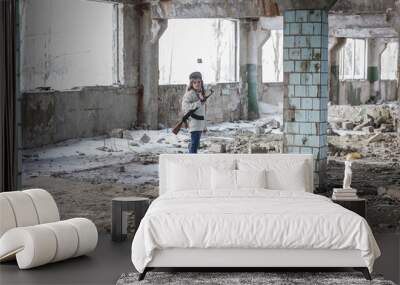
(205, 45)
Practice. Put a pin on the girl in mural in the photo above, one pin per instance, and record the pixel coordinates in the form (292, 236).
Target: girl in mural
(195, 99)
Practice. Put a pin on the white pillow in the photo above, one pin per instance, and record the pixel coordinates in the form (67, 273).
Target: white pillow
(251, 179)
(189, 176)
(285, 174)
(223, 179)
(293, 179)
(181, 177)
(231, 180)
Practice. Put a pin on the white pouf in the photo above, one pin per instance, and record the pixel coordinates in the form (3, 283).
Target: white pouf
(31, 232)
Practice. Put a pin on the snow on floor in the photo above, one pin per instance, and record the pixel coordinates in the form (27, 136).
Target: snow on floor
(130, 174)
(159, 140)
(90, 153)
(94, 158)
(268, 113)
(102, 157)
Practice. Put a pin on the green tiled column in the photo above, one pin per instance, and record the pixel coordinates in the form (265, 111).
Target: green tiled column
(372, 74)
(375, 48)
(252, 91)
(252, 38)
(305, 66)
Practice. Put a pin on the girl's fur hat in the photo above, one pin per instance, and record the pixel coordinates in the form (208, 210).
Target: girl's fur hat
(195, 75)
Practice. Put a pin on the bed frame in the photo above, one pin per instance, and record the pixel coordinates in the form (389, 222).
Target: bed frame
(248, 259)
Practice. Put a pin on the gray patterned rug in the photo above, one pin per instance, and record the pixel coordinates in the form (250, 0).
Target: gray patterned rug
(242, 278)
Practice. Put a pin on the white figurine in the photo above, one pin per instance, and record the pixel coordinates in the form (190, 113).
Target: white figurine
(347, 174)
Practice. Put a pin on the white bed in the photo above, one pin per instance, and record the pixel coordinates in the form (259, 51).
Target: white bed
(250, 227)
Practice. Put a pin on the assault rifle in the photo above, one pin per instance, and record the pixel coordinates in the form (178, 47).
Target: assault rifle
(178, 126)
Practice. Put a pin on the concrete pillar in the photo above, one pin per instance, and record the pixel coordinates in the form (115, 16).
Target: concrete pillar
(334, 69)
(130, 45)
(243, 32)
(375, 49)
(305, 67)
(150, 32)
(252, 38)
(263, 37)
(393, 17)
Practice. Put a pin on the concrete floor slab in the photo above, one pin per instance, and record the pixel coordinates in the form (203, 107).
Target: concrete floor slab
(103, 266)
(106, 264)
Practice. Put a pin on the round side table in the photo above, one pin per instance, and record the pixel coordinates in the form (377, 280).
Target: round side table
(119, 220)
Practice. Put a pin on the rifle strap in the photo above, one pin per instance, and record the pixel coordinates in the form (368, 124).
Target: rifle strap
(197, 117)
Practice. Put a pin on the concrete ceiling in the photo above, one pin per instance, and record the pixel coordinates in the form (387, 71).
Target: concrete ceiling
(258, 8)
(305, 4)
(364, 33)
(347, 18)
(361, 26)
(168, 9)
(347, 26)
(351, 7)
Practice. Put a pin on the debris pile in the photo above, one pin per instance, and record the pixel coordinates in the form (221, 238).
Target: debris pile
(124, 162)
(365, 118)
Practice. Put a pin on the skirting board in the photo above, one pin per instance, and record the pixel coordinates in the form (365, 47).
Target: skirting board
(229, 257)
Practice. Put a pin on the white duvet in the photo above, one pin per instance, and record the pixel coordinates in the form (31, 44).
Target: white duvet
(250, 219)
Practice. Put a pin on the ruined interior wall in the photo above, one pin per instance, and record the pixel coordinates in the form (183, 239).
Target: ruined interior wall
(73, 43)
(272, 93)
(351, 92)
(51, 117)
(389, 90)
(357, 92)
(224, 105)
(342, 113)
(66, 44)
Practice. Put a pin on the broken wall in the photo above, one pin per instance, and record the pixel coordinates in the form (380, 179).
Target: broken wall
(224, 105)
(389, 90)
(351, 92)
(79, 69)
(66, 44)
(272, 93)
(357, 92)
(51, 117)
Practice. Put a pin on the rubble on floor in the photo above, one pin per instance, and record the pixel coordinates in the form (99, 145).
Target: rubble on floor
(384, 147)
(365, 118)
(89, 172)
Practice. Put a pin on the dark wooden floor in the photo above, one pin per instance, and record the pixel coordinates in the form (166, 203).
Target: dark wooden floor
(110, 260)
(103, 266)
